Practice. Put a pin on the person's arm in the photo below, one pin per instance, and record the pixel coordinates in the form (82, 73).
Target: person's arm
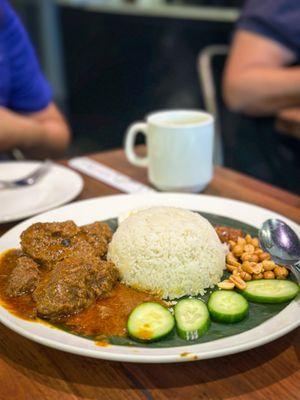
(29, 119)
(257, 79)
(40, 134)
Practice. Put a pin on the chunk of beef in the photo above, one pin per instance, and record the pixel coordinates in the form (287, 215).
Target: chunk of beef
(24, 277)
(49, 243)
(73, 285)
(98, 234)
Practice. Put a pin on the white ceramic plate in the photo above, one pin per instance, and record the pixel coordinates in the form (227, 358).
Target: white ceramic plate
(108, 207)
(59, 186)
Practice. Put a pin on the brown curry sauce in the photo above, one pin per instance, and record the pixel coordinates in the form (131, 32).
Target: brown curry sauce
(105, 317)
(22, 306)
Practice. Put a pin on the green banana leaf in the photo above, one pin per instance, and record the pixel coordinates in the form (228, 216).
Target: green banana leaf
(258, 313)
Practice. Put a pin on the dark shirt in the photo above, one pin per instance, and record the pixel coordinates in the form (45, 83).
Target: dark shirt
(23, 87)
(278, 20)
(256, 148)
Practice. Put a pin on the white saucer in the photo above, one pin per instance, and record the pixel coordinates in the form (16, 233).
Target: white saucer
(59, 186)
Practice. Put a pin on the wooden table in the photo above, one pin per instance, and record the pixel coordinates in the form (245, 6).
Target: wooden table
(32, 372)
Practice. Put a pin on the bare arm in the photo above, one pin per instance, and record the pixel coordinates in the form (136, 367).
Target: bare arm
(257, 79)
(40, 134)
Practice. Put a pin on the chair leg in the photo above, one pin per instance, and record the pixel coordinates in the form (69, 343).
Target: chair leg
(207, 83)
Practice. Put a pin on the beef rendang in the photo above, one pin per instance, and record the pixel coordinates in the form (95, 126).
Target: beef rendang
(61, 275)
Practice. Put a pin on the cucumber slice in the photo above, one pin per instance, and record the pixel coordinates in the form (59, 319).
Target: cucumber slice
(192, 318)
(149, 322)
(270, 291)
(227, 306)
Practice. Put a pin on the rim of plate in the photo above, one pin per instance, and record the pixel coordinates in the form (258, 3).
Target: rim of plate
(75, 189)
(112, 206)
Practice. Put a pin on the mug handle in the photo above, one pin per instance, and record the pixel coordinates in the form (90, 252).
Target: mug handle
(131, 133)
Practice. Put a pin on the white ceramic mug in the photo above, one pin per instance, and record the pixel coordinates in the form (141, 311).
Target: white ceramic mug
(179, 148)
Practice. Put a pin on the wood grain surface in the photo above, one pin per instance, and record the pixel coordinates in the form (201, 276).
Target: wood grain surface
(32, 372)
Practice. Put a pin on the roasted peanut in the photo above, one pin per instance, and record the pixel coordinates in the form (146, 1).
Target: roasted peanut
(250, 257)
(257, 269)
(268, 265)
(246, 257)
(247, 261)
(238, 250)
(257, 276)
(254, 258)
(248, 239)
(230, 267)
(269, 275)
(258, 251)
(239, 282)
(264, 256)
(237, 271)
(241, 241)
(249, 248)
(231, 244)
(248, 266)
(232, 260)
(245, 276)
(226, 284)
(280, 272)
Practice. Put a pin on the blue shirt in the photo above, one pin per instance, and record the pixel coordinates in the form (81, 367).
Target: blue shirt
(278, 20)
(23, 88)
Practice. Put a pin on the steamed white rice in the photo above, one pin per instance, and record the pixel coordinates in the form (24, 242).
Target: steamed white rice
(168, 251)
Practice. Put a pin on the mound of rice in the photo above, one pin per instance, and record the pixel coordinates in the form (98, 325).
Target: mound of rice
(168, 251)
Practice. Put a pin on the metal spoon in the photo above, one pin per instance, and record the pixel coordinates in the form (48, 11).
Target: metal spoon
(283, 244)
(29, 179)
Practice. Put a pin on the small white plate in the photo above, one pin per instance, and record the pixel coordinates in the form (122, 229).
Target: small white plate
(59, 186)
(87, 211)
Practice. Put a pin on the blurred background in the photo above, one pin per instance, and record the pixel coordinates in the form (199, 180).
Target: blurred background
(110, 62)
